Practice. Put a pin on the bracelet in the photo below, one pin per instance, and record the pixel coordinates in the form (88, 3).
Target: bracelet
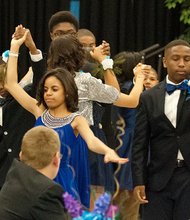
(13, 54)
(107, 64)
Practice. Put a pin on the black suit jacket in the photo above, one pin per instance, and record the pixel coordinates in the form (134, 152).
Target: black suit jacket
(16, 121)
(156, 141)
(28, 194)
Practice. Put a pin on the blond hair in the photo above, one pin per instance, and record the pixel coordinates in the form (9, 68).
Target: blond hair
(39, 146)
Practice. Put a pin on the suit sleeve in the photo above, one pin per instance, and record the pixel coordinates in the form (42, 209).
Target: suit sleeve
(140, 146)
(50, 205)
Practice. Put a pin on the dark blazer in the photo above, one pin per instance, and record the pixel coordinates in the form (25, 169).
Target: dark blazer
(28, 194)
(16, 121)
(156, 141)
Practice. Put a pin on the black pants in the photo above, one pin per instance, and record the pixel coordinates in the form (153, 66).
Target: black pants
(172, 203)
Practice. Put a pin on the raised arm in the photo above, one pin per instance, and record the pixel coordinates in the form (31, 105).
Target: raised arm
(37, 61)
(94, 144)
(132, 100)
(109, 75)
(11, 82)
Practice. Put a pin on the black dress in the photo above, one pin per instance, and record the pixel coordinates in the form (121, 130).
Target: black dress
(101, 174)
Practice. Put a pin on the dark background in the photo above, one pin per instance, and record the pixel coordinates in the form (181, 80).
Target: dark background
(125, 24)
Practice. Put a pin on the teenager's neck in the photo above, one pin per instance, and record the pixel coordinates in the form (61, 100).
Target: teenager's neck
(48, 172)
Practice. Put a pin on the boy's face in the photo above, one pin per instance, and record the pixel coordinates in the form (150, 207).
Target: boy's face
(87, 41)
(177, 62)
(62, 29)
(150, 80)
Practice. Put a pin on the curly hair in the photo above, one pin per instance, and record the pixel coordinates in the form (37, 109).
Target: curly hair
(60, 17)
(69, 86)
(67, 52)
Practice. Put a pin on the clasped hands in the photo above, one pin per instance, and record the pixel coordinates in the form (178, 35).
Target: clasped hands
(141, 71)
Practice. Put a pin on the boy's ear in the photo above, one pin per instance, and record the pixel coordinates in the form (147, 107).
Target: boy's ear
(20, 155)
(164, 62)
(51, 36)
(56, 159)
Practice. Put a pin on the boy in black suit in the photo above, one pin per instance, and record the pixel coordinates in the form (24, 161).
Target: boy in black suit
(29, 191)
(161, 147)
(14, 119)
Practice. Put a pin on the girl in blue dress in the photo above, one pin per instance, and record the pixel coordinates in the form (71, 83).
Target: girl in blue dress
(56, 107)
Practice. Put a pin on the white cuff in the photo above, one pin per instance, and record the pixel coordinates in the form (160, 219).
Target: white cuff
(36, 57)
(107, 64)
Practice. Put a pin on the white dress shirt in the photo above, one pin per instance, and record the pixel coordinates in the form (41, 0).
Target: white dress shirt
(1, 116)
(170, 108)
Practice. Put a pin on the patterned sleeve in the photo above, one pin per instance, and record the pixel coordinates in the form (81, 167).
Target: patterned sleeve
(96, 90)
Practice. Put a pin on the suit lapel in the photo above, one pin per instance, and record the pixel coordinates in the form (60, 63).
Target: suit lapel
(180, 105)
(161, 96)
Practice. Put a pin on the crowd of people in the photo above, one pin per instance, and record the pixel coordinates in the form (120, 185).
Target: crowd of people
(65, 97)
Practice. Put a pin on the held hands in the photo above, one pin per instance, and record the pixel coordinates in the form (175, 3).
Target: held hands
(111, 156)
(106, 48)
(19, 41)
(98, 53)
(19, 33)
(141, 70)
(101, 52)
(140, 195)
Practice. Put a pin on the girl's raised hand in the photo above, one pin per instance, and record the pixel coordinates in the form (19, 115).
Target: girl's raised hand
(111, 156)
(98, 53)
(19, 41)
(141, 70)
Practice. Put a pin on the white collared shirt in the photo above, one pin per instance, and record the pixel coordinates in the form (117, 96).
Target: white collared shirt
(1, 116)
(36, 57)
(170, 108)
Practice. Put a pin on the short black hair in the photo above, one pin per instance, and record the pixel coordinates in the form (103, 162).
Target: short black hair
(60, 17)
(85, 32)
(176, 42)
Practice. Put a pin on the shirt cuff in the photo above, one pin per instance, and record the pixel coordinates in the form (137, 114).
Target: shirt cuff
(36, 57)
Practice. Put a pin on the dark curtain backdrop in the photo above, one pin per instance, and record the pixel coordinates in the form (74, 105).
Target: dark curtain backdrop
(125, 24)
(131, 24)
(33, 14)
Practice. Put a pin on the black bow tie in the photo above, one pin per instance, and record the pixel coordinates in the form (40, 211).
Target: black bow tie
(170, 88)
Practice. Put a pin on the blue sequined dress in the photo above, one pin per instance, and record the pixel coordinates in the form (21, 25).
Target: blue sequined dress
(73, 173)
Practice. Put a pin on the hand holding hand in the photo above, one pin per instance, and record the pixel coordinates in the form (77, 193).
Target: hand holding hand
(19, 41)
(140, 195)
(141, 70)
(106, 48)
(111, 156)
(98, 54)
(19, 33)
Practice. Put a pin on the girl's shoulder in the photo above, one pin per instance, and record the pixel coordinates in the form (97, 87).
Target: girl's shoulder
(79, 120)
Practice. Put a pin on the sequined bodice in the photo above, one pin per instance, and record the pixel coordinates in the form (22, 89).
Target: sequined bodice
(92, 89)
(53, 122)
